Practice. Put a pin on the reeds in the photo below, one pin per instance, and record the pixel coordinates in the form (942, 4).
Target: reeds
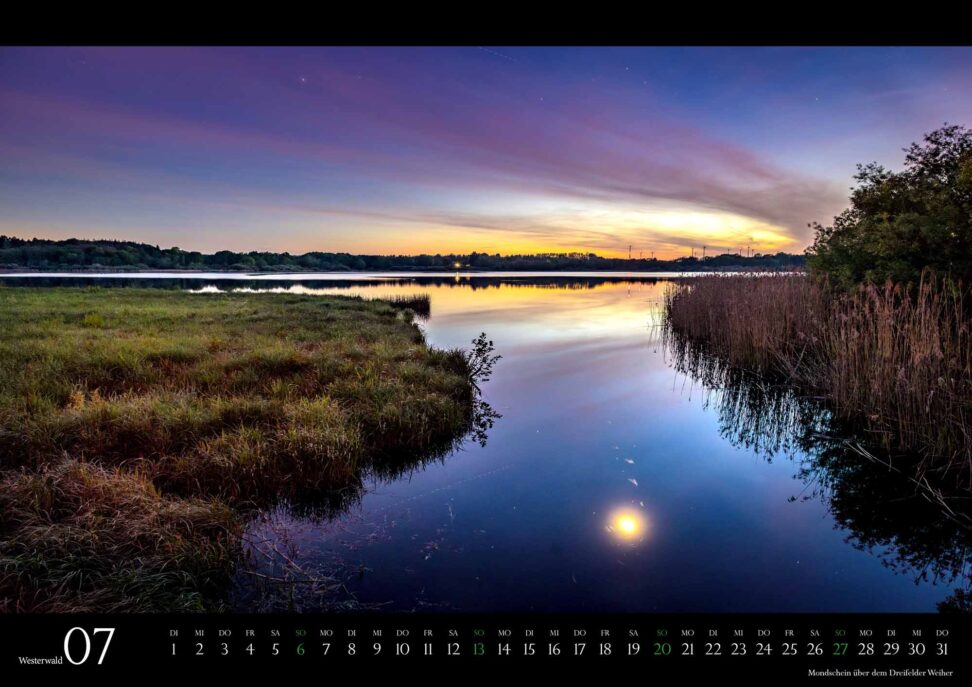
(896, 359)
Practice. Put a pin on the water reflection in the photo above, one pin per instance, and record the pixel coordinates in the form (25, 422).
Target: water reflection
(610, 485)
(627, 525)
(914, 525)
(321, 284)
(273, 575)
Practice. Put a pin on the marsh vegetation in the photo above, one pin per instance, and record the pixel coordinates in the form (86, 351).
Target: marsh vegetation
(138, 424)
(897, 361)
(881, 328)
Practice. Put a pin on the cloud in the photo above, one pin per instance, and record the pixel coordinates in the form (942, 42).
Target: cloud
(400, 127)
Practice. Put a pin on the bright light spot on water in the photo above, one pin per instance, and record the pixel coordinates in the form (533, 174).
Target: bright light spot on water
(627, 525)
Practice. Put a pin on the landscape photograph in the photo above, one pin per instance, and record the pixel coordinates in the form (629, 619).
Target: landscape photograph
(485, 329)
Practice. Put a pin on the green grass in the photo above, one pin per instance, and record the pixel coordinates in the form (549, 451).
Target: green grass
(133, 421)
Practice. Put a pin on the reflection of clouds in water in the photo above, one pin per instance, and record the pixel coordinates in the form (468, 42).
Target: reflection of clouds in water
(597, 312)
(577, 358)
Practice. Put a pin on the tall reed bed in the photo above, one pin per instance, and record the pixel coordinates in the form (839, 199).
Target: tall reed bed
(896, 359)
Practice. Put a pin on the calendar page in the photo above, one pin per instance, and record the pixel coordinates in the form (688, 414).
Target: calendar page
(430, 354)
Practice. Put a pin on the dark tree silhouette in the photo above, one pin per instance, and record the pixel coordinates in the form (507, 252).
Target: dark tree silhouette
(900, 223)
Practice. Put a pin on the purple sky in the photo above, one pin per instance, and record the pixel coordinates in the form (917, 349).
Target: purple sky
(496, 149)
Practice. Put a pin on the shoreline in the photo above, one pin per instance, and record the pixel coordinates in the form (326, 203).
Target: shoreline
(142, 425)
(375, 274)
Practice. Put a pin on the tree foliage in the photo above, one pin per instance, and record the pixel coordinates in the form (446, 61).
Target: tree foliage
(900, 223)
(112, 255)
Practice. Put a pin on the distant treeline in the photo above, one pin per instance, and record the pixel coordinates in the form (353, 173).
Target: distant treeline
(92, 255)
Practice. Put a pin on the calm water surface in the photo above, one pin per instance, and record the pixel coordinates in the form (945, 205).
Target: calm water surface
(612, 482)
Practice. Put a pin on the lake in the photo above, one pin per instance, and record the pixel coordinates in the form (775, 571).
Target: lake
(616, 478)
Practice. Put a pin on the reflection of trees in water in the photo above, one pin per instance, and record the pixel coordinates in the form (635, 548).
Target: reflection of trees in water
(887, 508)
(547, 283)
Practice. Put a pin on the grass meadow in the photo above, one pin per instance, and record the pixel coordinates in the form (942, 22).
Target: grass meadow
(138, 425)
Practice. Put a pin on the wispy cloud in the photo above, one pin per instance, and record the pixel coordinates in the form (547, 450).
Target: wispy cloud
(486, 140)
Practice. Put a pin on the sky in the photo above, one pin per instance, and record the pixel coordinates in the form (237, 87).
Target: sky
(452, 150)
